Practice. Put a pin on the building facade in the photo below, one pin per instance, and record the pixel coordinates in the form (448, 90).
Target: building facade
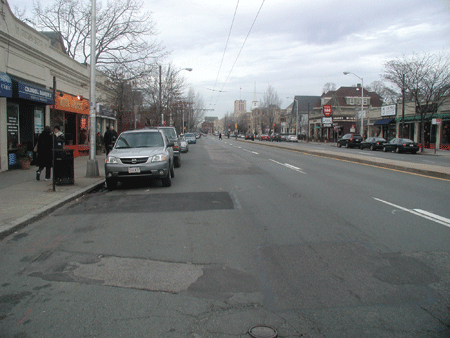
(41, 85)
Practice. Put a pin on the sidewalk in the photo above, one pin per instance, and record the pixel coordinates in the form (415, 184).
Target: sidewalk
(23, 199)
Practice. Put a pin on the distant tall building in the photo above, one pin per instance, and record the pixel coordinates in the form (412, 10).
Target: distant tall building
(240, 107)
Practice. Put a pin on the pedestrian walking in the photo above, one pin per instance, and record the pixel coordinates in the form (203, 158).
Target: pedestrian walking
(220, 136)
(45, 153)
(109, 139)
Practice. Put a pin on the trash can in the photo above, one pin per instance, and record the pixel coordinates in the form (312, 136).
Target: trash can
(63, 170)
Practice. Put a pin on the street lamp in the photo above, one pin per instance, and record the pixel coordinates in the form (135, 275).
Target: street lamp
(362, 104)
(160, 89)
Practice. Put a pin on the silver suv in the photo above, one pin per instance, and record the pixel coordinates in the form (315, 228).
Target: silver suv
(172, 135)
(140, 153)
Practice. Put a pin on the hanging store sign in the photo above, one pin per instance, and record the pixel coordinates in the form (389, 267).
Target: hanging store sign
(5, 85)
(327, 110)
(389, 110)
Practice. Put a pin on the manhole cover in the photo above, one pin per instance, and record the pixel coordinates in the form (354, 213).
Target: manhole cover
(261, 331)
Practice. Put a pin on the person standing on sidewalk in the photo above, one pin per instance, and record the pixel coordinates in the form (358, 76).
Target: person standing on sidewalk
(60, 140)
(44, 153)
(110, 138)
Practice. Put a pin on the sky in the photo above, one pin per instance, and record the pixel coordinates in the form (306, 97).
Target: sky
(295, 46)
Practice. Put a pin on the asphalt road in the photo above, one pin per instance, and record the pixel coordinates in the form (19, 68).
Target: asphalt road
(247, 235)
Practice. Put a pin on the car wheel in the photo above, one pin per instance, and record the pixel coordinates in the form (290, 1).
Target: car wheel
(347, 145)
(172, 172)
(177, 161)
(361, 147)
(111, 184)
(339, 145)
(372, 147)
(167, 181)
(384, 149)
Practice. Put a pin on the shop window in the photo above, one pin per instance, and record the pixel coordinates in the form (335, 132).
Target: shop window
(12, 126)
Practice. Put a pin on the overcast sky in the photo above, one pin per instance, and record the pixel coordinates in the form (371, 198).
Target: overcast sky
(295, 45)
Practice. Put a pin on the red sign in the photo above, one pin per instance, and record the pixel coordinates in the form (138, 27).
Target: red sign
(327, 110)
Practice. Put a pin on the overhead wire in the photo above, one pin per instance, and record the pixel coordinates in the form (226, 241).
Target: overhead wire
(242, 47)
(225, 49)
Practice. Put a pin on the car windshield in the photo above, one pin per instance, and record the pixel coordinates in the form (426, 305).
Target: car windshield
(169, 132)
(190, 135)
(139, 140)
(407, 140)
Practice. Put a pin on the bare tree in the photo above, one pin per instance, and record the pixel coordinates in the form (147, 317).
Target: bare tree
(125, 34)
(198, 111)
(389, 95)
(270, 105)
(328, 86)
(425, 79)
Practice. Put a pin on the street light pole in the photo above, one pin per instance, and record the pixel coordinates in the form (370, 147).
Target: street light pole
(362, 103)
(92, 164)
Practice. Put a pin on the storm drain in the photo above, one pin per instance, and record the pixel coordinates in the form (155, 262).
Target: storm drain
(262, 331)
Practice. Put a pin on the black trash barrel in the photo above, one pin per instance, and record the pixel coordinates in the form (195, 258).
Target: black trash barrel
(63, 170)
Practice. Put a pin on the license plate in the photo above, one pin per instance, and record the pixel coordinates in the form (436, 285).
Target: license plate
(134, 170)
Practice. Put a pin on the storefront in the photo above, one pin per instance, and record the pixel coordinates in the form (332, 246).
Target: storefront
(25, 115)
(72, 114)
(385, 128)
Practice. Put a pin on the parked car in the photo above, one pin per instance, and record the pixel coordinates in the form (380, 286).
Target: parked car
(184, 146)
(401, 145)
(264, 137)
(275, 137)
(172, 135)
(250, 136)
(140, 153)
(349, 141)
(190, 138)
(373, 143)
(291, 138)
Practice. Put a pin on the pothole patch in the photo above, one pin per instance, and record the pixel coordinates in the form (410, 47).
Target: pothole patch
(140, 274)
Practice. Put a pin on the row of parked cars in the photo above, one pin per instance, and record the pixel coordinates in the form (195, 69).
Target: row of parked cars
(399, 145)
(150, 152)
(276, 137)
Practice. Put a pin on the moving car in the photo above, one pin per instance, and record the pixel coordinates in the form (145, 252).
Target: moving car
(264, 137)
(373, 143)
(140, 153)
(250, 136)
(401, 145)
(349, 141)
(190, 138)
(291, 138)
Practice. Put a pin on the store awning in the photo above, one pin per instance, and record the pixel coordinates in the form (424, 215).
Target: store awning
(384, 121)
(5, 85)
(30, 92)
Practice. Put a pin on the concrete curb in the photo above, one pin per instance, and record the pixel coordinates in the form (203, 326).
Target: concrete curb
(20, 223)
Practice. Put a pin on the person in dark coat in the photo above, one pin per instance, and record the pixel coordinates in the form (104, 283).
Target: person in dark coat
(109, 139)
(45, 153)
(60, 139)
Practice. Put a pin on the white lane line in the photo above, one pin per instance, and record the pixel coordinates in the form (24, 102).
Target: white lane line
(249, 151)
(289, 166)
(427, 215)
(443, 219)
